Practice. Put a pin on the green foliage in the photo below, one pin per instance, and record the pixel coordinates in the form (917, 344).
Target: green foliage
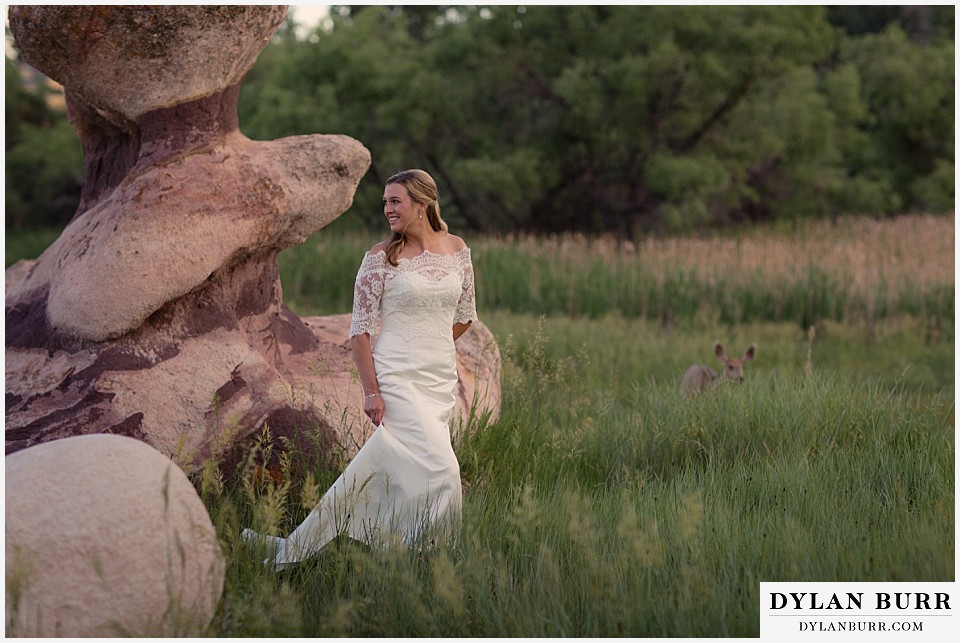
(614, 119)
(923, 23)
(28, 244)
(936, 190)
(20, 105)
(621, 119)
(318, 274)
(44, 174)
(909, 142)
(44, 158)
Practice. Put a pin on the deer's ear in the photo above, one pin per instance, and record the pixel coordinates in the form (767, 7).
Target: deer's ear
(749, 353)
(719, 352)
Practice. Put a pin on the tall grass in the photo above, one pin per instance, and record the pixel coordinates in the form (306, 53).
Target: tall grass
(856, 270)
(852, 268)
(602, 502)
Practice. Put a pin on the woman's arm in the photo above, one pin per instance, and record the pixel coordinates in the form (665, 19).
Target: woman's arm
(367, 292)
(363, 357)
(466, 310)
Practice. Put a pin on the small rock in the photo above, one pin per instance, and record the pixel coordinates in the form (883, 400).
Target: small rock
(105, 536)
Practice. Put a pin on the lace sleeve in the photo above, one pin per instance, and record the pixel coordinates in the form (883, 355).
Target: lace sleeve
(367, 292)
(467, 306)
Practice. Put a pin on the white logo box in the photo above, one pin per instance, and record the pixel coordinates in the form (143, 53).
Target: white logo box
(852, 611)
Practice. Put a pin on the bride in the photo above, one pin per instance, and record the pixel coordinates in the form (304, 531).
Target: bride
(404, 483)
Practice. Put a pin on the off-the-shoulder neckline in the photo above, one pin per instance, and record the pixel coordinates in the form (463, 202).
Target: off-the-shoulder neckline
(464, 250)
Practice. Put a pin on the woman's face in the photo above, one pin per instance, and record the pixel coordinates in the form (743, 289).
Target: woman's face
(398, 207)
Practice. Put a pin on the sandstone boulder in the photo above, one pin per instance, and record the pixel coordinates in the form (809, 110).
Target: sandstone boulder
(158, 313)
(105, 536)
(172, 53)
(162, 233)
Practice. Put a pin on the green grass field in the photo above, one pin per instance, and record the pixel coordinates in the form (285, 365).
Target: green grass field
(604, 503)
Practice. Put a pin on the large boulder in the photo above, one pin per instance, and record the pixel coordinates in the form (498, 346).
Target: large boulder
(197, 196)
(105, 536)
(174, 53)
(162, 233)
(194, 397)
(158, 313)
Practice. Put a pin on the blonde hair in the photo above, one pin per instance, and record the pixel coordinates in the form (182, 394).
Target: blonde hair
(423, 190)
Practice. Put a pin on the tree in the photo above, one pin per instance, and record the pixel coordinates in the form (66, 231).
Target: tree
(43, 156)
(617, 119)
(641, 117)
(908, 139)
(921, 22)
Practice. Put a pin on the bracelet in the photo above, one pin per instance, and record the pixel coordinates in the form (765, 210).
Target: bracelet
(367, 397)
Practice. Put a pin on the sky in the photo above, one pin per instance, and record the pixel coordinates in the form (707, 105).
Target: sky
(308, 15)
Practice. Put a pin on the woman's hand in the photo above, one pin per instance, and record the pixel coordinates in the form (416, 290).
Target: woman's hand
(362, 355)
(373, 407)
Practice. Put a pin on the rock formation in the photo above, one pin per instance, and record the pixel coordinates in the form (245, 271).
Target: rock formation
(105, 536)
(158, 313)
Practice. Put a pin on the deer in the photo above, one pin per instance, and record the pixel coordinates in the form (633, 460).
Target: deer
(699, 378)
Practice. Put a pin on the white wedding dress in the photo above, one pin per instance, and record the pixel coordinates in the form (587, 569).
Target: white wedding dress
(404, 483)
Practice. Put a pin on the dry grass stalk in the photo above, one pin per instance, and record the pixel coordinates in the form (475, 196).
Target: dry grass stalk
(860, 251)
